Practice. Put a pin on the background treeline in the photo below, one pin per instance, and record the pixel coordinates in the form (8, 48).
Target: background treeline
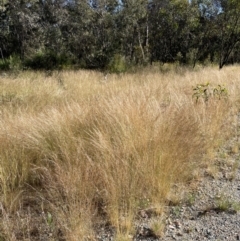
(117, 34)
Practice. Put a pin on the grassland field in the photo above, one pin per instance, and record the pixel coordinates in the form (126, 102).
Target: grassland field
(78, 149)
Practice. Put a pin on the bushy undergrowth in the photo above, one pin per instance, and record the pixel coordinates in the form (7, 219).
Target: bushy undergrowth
(86, 150)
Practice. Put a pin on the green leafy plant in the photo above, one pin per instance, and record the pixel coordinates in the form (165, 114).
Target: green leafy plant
(206, 91)
(220, 92)
(13, 63)
(117, 64)
(176, 211)
(4, 64)
(202, 91)
(224, 203)
(49, 218)
(144, 203)
(191, 198)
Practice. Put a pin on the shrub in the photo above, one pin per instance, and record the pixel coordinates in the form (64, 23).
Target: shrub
(118, 64)
(4, 64)
(48, 60)
(206, 91)
(13, 63)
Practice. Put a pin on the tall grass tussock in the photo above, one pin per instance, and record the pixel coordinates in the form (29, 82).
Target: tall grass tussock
(78, 151)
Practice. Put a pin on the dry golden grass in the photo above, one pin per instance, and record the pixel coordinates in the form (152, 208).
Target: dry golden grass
(86, 149)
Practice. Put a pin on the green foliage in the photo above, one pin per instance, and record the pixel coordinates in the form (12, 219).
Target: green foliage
(191, 198)
(220, 92)
(206, 91)
(117, 64)
(15, 63)
(49, 218)
(176, 211)
(48, 60)
(224, 203)
(202, 91)
(4, 64)
(141, 32)
(12, 63)
(143, 203)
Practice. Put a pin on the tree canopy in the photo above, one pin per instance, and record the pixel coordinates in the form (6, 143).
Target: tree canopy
(106, 34)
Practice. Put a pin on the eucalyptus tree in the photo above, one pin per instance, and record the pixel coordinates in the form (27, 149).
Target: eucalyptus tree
(133, 26)
(219, 30)
(204, 33)
(104, 32)
(90, 31)
(228, 25)
(4, 30)
(19, 24)
(53, 16)
(172, 22)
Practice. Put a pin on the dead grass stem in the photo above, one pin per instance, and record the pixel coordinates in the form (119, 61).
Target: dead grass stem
(101, 150)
